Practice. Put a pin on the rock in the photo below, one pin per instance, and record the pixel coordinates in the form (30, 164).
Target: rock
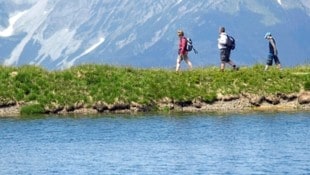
(76, 106)
(197, 103)
(136, 107)
(165, 100)
(184, 103)
(288, 97)
(254, 100)
(257, 100)
(69, 108)
(54, 108)
(7, 103)
(119, 106)
(100, 106)
(272, 100)
(11, 103)
(165, 103)
(79, 105)
(169, 106)
(304, 98)
(228, 97)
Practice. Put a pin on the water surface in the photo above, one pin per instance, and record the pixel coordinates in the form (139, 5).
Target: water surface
(276, 143)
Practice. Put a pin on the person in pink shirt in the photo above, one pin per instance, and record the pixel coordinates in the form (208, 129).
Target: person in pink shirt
(182, 52)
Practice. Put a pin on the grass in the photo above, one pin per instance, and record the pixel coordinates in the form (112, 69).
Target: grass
(92, 83)
(32, 109)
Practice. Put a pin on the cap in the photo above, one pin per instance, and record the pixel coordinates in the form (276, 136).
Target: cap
(222, 29)
(267, 34)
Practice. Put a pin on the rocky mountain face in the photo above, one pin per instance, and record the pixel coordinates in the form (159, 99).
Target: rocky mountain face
(58, 34)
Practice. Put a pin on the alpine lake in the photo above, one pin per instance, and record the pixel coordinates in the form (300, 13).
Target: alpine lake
(251, 143)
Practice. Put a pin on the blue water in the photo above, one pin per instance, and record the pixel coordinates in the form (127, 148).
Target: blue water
(276, 143)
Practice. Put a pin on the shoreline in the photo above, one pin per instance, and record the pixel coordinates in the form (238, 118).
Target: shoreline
(95, 89)
(223, 104)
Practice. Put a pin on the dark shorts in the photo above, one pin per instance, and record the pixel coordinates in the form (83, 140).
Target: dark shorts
(271, 58)
(225, 54)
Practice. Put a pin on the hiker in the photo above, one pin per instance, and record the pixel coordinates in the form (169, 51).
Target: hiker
(273, 52)
(182, 52)
(225, 49)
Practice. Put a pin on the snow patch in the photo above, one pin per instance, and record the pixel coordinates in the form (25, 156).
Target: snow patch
(30, 23)
(9, 31)
(158, 35)
(123, 43)
(57, 43)
(90, 49)
(67, 64)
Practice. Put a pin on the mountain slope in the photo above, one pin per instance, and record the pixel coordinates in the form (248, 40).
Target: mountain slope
(59, 34)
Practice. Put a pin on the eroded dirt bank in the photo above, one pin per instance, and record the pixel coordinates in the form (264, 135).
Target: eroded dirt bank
(226, 104)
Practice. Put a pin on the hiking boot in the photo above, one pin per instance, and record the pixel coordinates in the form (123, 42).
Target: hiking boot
(235, 68)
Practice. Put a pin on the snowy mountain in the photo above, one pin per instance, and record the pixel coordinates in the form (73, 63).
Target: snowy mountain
(58, 34)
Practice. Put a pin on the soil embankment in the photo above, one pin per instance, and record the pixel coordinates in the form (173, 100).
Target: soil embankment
(223, 104)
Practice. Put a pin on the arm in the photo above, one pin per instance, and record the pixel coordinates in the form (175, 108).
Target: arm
(272, 42)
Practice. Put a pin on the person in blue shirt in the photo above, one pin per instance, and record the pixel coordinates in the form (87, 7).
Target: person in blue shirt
(273, 52)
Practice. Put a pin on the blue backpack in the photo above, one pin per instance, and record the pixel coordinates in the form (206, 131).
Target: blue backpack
(189, 45)
(231, 42)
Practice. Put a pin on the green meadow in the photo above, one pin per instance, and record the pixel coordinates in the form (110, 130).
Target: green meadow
(37, 87)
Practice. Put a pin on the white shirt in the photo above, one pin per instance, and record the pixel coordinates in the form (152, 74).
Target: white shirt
(222, 41)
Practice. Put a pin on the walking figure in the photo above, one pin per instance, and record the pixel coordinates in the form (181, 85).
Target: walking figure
(225, 47)
(182, 52)
(273, 52)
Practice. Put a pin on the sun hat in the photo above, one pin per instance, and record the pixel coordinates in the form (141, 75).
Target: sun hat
(267, 34)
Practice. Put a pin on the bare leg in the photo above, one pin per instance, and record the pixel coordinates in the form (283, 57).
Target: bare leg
(222, 66)
(231, 63)
(189, 63)
(235, 67)
(177, 67)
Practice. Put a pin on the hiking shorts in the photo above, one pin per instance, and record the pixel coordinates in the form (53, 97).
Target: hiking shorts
(225, 54)
(270, 59)
(183, 57)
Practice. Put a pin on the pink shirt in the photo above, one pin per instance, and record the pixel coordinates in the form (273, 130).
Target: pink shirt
(182, 46)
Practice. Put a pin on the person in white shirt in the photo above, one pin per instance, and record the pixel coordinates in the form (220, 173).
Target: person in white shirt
(225, 50)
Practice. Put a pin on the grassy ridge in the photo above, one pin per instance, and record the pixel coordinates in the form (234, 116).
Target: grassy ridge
(92, 83)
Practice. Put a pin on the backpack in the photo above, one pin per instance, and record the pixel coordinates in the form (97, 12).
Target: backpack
(231, 43)
(189, 45)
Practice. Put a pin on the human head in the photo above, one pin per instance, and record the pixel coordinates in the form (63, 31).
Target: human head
(180, 33)
(267, 35)
(221, 29)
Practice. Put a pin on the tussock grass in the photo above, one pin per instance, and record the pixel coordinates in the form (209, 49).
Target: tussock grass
(32, 109)
(92, 83)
